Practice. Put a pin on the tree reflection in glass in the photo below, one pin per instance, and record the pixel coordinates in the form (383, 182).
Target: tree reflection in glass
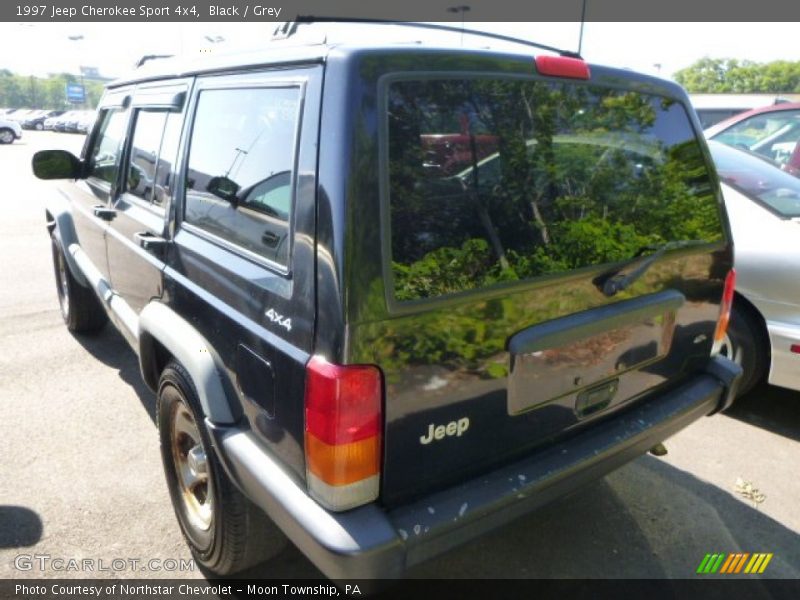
(498, 180)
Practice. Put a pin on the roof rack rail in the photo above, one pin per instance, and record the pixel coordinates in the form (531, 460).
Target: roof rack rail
(290, 28)
(149, 57)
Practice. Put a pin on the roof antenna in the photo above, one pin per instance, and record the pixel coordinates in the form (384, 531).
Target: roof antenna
(583, 20)
(461, 8)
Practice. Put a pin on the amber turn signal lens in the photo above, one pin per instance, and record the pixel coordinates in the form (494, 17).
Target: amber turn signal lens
(345, 463)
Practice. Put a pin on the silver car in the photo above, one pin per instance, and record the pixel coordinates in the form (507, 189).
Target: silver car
(763, 205)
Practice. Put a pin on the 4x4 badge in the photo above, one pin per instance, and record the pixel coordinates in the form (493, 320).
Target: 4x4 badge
(280, 320)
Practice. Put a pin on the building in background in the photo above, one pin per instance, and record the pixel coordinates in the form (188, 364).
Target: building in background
(713, 108)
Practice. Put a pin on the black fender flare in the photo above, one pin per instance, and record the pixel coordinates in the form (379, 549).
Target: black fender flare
(159, 323)
(62, 228)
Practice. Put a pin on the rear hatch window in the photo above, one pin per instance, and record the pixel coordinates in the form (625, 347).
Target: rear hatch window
(505, 202)
(493, 181)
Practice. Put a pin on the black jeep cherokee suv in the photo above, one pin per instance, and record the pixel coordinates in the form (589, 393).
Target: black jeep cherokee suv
(393, 297)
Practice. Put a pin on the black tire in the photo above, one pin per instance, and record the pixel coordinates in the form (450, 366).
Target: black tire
(234, 534)
(39, 127)
(6, 135)
(80, 308)
(747, 345)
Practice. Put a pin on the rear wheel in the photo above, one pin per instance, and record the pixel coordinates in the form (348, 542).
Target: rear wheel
(6, 136)
(225, 531)
(80, 308)
(746, 345)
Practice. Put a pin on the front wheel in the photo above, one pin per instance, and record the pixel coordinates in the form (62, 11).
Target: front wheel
(80, 308)
(225, 531)
(6, 136)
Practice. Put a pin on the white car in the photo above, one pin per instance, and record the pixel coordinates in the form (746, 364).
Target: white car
(763, 205)
(9, 131)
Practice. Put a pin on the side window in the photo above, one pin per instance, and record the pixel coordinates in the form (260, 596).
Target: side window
(104, 156)
(147, 133)
(167, 157)
(240, 167)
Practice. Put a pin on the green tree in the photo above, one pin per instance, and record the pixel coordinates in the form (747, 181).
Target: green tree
(24, 91)
(729, 75)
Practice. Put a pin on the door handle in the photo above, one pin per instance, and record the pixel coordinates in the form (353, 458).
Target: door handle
(149, 241)
(103, 212)
(270, 239)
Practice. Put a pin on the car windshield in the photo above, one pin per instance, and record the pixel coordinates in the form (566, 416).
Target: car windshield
(758, 179)
(773, 135)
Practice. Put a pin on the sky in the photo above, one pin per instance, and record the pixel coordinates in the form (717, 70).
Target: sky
(653, 48)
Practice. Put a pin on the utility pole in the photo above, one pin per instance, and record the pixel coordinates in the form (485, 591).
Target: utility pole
(463, 8)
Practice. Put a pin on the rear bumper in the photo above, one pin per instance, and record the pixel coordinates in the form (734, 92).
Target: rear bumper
(371, 542)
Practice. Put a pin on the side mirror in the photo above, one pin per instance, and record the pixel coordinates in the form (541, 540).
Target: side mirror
(224, 188)
(56, 164)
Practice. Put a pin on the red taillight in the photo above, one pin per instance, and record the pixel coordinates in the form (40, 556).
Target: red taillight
(795, 349)
(725, 310)
(562, 66)
(343, 432)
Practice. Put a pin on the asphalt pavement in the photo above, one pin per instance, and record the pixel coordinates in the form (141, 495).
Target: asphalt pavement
(81, 478)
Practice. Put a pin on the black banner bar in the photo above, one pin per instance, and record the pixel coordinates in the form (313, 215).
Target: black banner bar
(730, 588)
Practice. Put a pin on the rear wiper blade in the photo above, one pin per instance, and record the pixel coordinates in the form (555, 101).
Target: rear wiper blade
(611, 284)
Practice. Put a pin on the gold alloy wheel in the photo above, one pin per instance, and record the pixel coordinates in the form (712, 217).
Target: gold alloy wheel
(191, 467)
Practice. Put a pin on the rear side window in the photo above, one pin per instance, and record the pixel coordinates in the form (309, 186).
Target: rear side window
(166, 158)
(152, 156)
(500, 180)
(105, 153)
(241, 163)
(147, 134)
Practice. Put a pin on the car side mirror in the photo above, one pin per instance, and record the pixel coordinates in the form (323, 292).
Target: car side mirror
(224, 188)
(56, 164)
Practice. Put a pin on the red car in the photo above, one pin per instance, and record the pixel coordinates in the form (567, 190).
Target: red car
(771, 131)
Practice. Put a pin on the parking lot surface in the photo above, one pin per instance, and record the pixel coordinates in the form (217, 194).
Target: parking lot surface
(80, 471)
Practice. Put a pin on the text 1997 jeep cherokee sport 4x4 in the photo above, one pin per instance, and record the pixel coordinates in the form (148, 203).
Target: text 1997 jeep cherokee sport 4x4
(393, 297)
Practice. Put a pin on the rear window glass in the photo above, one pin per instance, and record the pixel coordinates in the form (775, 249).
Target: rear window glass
(501, 180)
